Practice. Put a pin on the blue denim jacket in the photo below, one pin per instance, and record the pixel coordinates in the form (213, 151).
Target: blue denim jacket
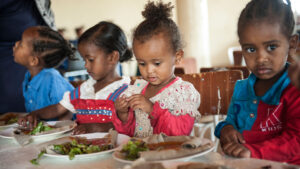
(242, 111)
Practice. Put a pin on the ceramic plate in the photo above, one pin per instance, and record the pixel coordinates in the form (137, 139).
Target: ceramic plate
(120, 141)
(117, 156)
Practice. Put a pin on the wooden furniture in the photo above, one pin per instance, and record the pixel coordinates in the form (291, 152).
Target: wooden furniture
(244, 69)
(215, 88)
(179, 70)
(188, 65)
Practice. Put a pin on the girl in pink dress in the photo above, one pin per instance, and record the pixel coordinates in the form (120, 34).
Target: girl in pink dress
(160, 102)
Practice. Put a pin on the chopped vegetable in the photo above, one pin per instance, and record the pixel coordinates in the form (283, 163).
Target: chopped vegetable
(36, 160)
(12, 120)
(132, 149)
(40, 128)
(73, 148)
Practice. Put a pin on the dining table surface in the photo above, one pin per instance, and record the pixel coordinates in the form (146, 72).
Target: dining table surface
(14, 156)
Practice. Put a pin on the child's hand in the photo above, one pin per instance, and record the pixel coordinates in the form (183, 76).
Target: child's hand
(121, 106)
(29, 121)
(230, 135)
(139, 101)
(82, 129)
(236, 150)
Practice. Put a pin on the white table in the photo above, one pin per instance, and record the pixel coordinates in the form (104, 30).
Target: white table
(13, 156)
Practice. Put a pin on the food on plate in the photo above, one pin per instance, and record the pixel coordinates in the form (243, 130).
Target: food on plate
(41, 128)
(162, 147)
(9, 118)
(71, 146)
(81, 145)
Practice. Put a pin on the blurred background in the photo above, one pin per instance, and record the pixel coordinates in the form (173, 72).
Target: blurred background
(208, 27)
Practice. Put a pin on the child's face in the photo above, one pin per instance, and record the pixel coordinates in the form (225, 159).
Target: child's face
(22, 50)
(156, 60)
(265, 48)
(96, 60)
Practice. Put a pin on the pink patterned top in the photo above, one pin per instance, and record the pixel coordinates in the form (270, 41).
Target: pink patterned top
(175, 108)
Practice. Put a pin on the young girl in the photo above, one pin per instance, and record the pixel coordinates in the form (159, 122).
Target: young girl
(263, 119)
(39, 50)
(101, 46)
(161, 102)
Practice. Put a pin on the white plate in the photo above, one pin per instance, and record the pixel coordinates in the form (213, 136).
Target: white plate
(116, 156)
(8, 133)
(8, 126)
(120, 141)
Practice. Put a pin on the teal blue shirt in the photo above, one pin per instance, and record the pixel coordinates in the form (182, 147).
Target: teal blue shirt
(44, 89)
(242, 111)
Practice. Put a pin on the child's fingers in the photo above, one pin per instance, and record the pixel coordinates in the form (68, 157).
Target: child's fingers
(135, 96)
(237, 151)
(240, 138)
(245, 153)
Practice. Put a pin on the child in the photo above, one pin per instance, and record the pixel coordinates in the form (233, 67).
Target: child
(161, 102)
(39, 50)
(263, 119)
(101, 46)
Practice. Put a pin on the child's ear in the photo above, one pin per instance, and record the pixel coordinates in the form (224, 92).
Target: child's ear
(293, 44)
(178, 56)
(34, 61)
(114, 56)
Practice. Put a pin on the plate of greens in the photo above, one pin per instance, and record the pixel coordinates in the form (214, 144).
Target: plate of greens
(42, 130)
(82, 146)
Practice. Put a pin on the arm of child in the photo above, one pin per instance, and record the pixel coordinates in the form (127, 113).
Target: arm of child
(123, 119)
(92, 128)
(164, 121)
(48, 112)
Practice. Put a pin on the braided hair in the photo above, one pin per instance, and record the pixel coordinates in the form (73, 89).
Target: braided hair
(51, 47)
(157, 20)
(268, 10)
(108, 37)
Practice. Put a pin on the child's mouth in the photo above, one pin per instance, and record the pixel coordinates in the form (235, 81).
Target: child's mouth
(152, 79)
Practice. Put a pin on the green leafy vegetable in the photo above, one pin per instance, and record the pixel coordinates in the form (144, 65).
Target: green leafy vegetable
(40, 128)
(132, 149)
(35, 161)
(73, 148)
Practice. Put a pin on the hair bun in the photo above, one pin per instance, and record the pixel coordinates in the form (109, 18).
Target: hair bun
(157, 11)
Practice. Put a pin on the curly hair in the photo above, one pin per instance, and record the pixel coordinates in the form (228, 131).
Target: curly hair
(268, 10)
(157, 20)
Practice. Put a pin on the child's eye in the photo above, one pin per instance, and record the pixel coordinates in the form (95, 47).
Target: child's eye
(271, 47)
(157, 63)
(90, 60)
(250, 50)
(141, 63)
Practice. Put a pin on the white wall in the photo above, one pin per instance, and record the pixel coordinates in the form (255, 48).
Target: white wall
(73, 13)
(223, 17)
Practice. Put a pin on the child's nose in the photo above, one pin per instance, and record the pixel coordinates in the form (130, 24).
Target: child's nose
(150, 69)
(262, 56)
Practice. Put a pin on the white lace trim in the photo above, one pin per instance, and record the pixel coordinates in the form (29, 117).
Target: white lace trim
(180, 98)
